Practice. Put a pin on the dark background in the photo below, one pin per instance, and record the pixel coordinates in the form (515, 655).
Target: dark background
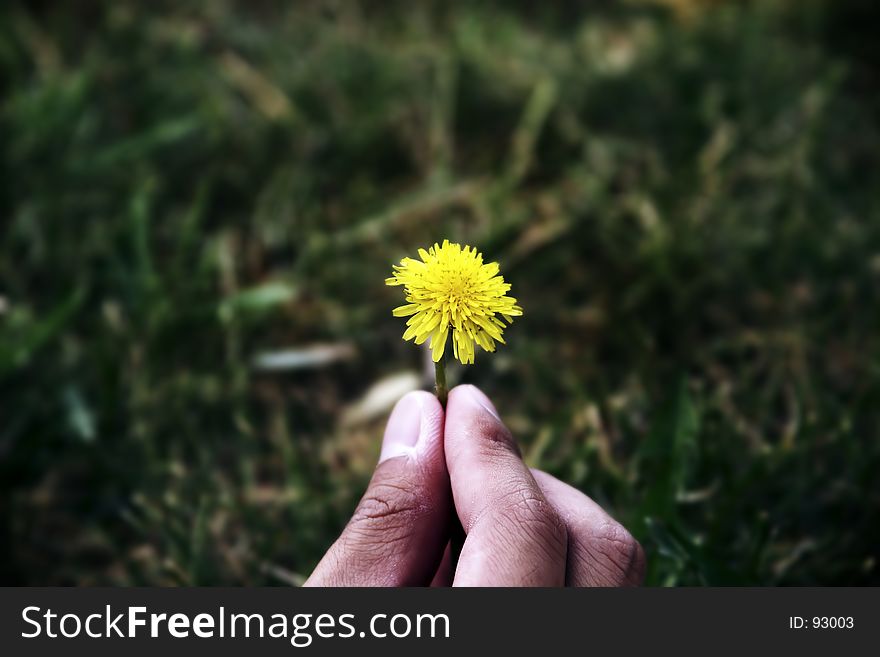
(200, 203)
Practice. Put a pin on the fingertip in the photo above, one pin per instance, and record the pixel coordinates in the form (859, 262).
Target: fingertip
(414, 426)
(573, 497)
(545, 479)
(473, 423)
(430, 403)
(472, 396)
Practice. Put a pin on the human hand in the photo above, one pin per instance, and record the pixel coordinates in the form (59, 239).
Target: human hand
(522, 527)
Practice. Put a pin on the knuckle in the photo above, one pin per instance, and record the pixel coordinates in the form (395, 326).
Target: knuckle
(386, 505)
(383, 528)
(494, 439)
(390, 510)
(531, 516)
(621, 554)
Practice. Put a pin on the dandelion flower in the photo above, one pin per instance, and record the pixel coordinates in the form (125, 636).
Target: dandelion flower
(451, 290)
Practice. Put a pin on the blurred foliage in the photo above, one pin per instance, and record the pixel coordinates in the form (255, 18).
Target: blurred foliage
(682, 193)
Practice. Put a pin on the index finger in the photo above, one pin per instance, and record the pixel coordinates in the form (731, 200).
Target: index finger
(514, 536)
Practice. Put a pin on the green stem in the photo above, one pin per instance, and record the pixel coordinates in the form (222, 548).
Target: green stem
(440, 381)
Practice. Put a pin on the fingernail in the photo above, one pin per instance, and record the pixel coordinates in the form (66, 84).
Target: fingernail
(481, 399)
(403, 428)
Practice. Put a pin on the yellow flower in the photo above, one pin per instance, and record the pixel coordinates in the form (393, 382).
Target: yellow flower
(451, 289)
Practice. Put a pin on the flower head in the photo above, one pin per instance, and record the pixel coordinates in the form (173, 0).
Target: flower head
(451, 290)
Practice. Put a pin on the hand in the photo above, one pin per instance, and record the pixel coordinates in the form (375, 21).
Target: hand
(522, 527)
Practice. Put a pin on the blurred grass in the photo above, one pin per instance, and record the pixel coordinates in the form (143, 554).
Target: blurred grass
(683, 195)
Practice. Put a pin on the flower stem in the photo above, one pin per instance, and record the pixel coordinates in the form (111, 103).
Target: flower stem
(440, 381)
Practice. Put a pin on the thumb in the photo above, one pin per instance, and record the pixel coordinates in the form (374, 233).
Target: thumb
(399, 530)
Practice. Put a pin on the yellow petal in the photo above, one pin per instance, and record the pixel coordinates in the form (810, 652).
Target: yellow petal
(406, 311)
(438, 344)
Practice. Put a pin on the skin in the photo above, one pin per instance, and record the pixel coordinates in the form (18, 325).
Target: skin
(439, 473)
